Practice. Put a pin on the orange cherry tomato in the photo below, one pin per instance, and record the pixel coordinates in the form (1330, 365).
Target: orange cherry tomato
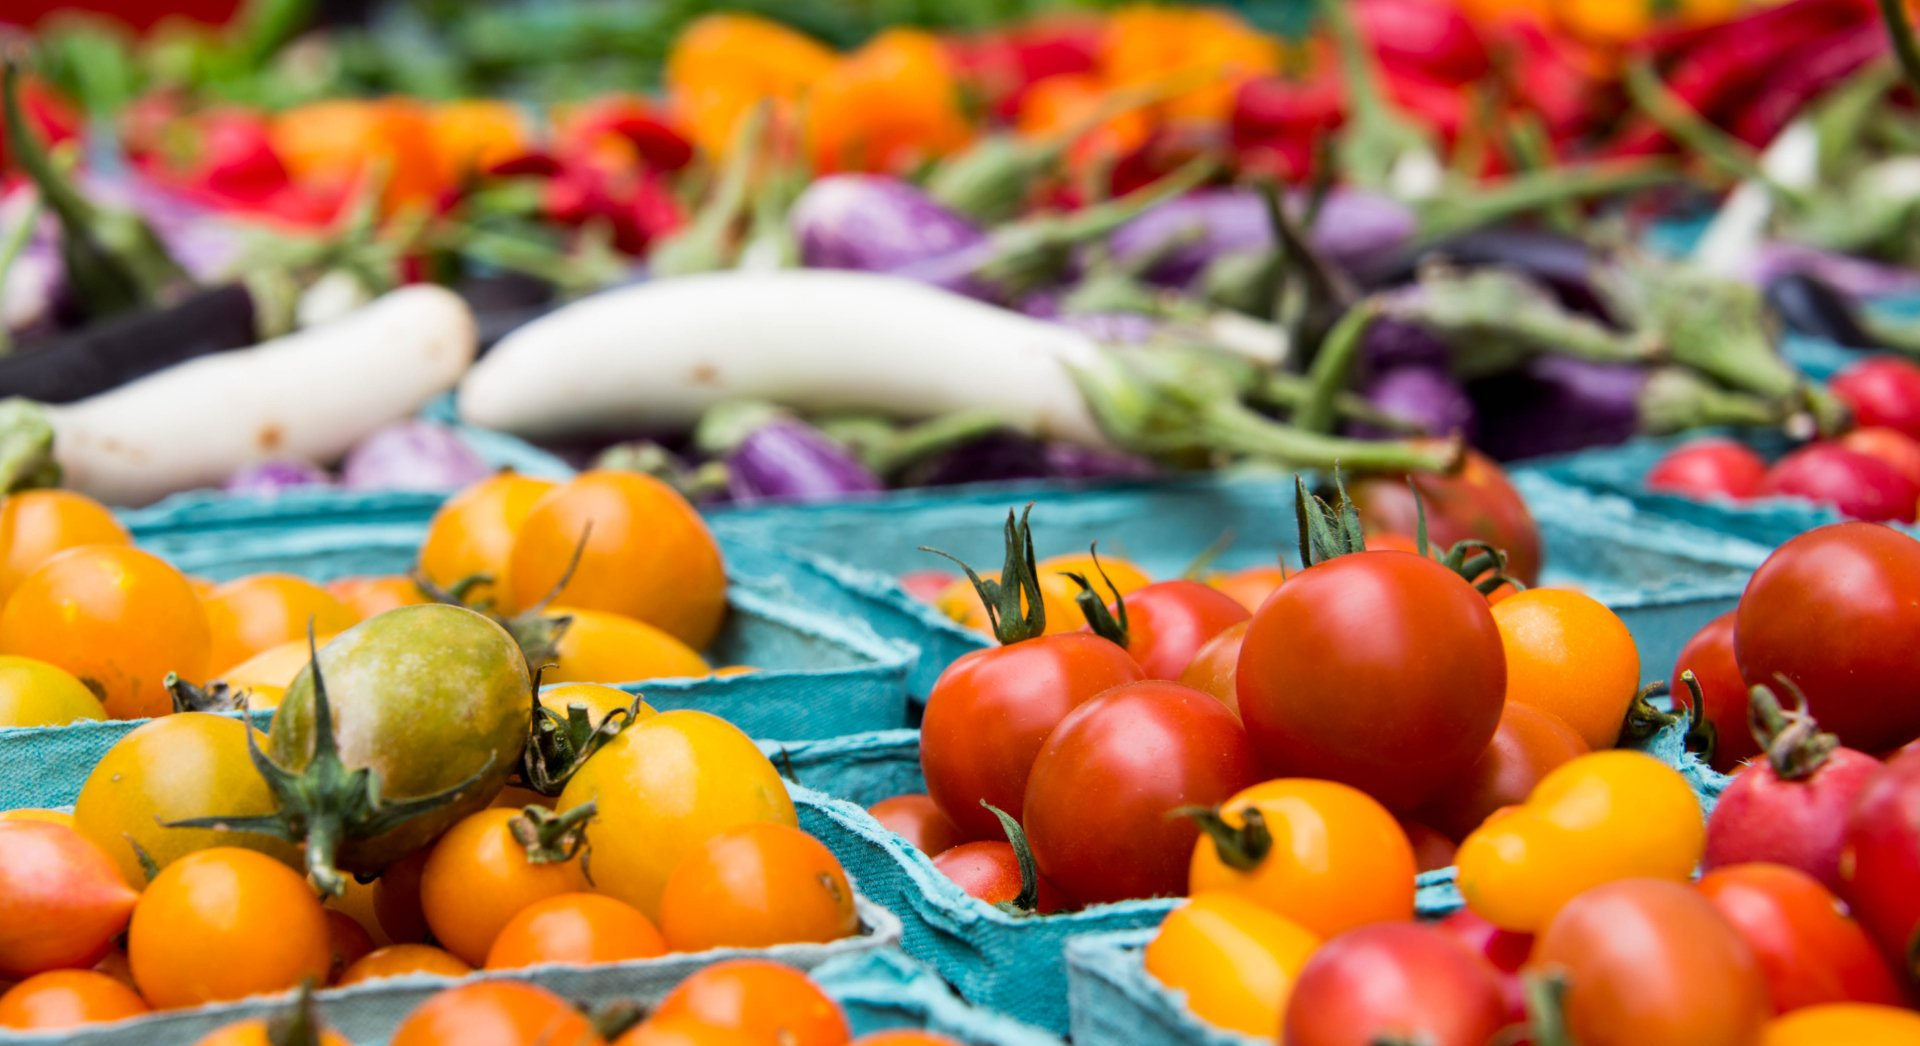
(904, 1037)
(66, 999)
(917, 818)
(61, 899)
(334, 143)
(37, 524)
(59, 817)
(889, 106)
(225, 924)
(724, 64)
(1065, 104)
(403, 960)
(480, 875)
(118, 618)
(683, 1031)
(471, 135)
(1251, 586)
(1855, 1024)
(768, 1001)
(599, 647)
(1528, 745)
(581, 929)
(396, 899)
(1569, 655)
(756, 886)
(357, 904)
(648, 555)
(473, 532)
(276, 667)
(259, 1033)
(495, 1013)
(370, 596)
(1235, 960)
(348, 942)
(252, 615)
(1215, 667)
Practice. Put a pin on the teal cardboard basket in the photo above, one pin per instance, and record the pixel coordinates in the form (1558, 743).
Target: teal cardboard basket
(884, 989)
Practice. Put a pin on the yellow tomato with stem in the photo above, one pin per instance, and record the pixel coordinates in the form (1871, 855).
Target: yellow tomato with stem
(601, 647)
(1235, 960)
(472, 534)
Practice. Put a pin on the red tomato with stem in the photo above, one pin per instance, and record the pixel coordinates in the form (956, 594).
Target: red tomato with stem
(1882, 393)
(1476, 503)
(1396, 982)
(1166, 623)
(1147, 749)
(1528, 745)
(1003, 873)
(1892, 446)
(1811, 951)
(1880, 859)
(1709, 468)
(1709, 656)
(1858, 486)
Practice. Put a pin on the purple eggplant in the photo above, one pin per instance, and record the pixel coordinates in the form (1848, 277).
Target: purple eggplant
(873, 223)
(770, 455)
(413, 455)
(269, 478)
(1561, 263)
(1423, 396)
(1391, 344)
(1854, 277)
(1559, 404)
(1355, 230)
(1009, 457)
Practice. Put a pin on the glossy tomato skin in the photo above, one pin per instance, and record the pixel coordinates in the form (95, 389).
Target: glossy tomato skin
(1854, 1024)
(67, 998)
(1382, 670)
(1811, 951)
(1506, 951)
(478, 876)
(1859, 486)
(581, 929)
(1880, 858)
(1709, 655)
(348, 942)
(1251, 586)
(1889, 445)
(1235, 960)
(1836, 611)
(1169, 621)
(769, 1001)
(1151, 748)
(1478, 502)
(1652, 963)
(916, 818)
(990, 712)
(61, 901)
(1528, 745)
(990, 872)
(1707, 468)
(223, 924)
(1882, 392)
(1215, 667)
(37, 524)
(401, 960)
(1569, 655)
(473, 532)
(754, 887)
(1397, 982)
(495, 1013)
(251, 615)
(1799, 823)
(34, 693)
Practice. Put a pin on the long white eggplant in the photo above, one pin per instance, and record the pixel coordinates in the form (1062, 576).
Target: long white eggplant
(655, 356)
(307, 397)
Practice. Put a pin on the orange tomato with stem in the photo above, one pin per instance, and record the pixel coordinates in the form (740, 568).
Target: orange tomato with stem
(61, 999)
(472, 534)
(757, 886)
(489, 867)
(495, 1013)
(252, 615)
(581, 929)
(37, 524)
(224, 924)
(403, 960)
(769, 1001)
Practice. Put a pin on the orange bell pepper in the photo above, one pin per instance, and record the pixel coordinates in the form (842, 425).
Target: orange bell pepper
(336, 143)
(891, 104)
(725, 64)
(473, 135)
(1148, 46)
(1062, 105)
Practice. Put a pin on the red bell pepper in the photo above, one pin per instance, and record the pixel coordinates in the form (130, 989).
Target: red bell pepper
(1433, 41)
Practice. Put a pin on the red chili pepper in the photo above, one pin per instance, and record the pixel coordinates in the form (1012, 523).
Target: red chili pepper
(1776, 20)
(1276, 124)
(1556, 77)
(661, 145)
(636, 205)
(1432, 40)
(1003, 66)
(1803, 75)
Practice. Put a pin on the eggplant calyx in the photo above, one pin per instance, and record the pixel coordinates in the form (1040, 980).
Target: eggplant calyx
(1028, 900)
(1676, 400)
(1795, 745)
(551, 838)
(1703, 737)
(216, 696)
(1015, 606)
(1241, 847)
(326, 804)
(559, 744)
(1643, 720)
(298, 1024)
(1108, 625)
(26, 447)
(1327, 530)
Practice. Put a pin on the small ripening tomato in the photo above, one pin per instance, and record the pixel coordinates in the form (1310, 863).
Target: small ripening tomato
(1880, 858)
(473, 533)
(117, 618)
(648, 556)
(580, 929)
(67, 999)
(661, 788)
(723, 64)
(35, 525)
(989, 871)
(1124, 575)
(1810, 950)
(1168, 622)
(1709, 468)
(1251, 586)
(1601, 817)
(396, 899)
(904, 1037)
(1857, 485)
(1396, 982)
(754, 887)
(1569, 655)
(1883, 392)
(403, 960)
(480, 874)
(1854, 1024)
(261, 1033)
(1650, 962)
(890, 106)
(599, 647)
(252, 615)
(1892, 447)
(495, 1013)
(1213, 669)
(771, 1002)
(1149, 748)
(276, 667)
(1236, 961)
(370, 596)
(916, 819)
(1333, 858)
(34, 693)
(348, 942)
(1528, 745)
(1709, 655)
(61, 901)
(682, 1031)
(1478, 503)
(224, 924)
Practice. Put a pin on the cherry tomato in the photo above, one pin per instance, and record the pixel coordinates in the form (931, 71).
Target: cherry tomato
(1528, 745)
(1893, 447)
(1236, 961)
(224, 924)
(67, 999)
(1858, 486)
(1432, 849)
(1251, 586)
(1125, 575)
(348, 942)
(1790, 808)
(1854, 1024)
(990, 871)
(118, 618)
(480, 875)
(772, 1003)
(1882, 393)
(662, 788)
(1478, 502)
(61, 901)
(396, 899)
(34, 693)
(754, 887)
(276, 667)
(1709, 655)
(1336, 858)
(473, 533)
(1835, 611)
(59, 817)
(403, 960)
(904, 1037)
(35, 525)
(371, 596)
(495, 1013)
(1569, 655)
(259, 1033)
(1149, 748)
(597, 699)
(1396, 982)
(610, 648)
(1650, 962)
(1598, 818)
(918, 820)
(1810, 950)
(255, 614)
(927, 586)
(581, 929)
(1169, 621)
(682, 1031)
(1709, 468)
(648, 556)
(1880, 858)
(1411, 650)
(1214, 669)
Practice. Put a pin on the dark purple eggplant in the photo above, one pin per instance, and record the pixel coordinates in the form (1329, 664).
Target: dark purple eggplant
(1559, 404)
(1009, 457)
(1811, 306)
(114, 351)
(873, 223)
(771, 455)
(1424, 396)
(1391, 344)
(1563, 264)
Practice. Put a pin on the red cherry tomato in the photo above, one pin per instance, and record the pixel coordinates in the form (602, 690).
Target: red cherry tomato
(61, 899)
(1381, 670)
(990, 871)
(1396, 982)
(1527, 746)
(1169, 621)
(1146, 749)
(1836, 611)
(1880, 859)
(1889, 445)
(1477, 502)
(1882, 392)
(1432, 850)
(916, 818)
(1709, 656)
(1505, 950)
(1214, 669)
(1858, 486)
(1800, 822)
(1707, 468)
(1809, 949)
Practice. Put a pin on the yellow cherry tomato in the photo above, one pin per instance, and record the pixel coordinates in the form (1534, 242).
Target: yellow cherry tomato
(1335, 859)
(473, 532)
(251, 615)
(1601, 817)
(599, 700)
(663, 787)
(1235, 960)
(1849, 1023)
(36, 524)
(59, 817)
(276, 667)
(603, 647)
(34, 693)
(1570, 656)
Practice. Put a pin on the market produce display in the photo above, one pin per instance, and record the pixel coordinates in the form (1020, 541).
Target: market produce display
(478, 323)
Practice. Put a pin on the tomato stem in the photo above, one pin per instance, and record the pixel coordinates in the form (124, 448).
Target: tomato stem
(1103, 622)
(557, 744)
(1643, 720)
(1028, 900)
(1796, 747)
(1241, 847)
(1015, 606)
(1546, 1009)
(1326, 531)
(550, 838)
(297, 1025)
(1703, 738)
